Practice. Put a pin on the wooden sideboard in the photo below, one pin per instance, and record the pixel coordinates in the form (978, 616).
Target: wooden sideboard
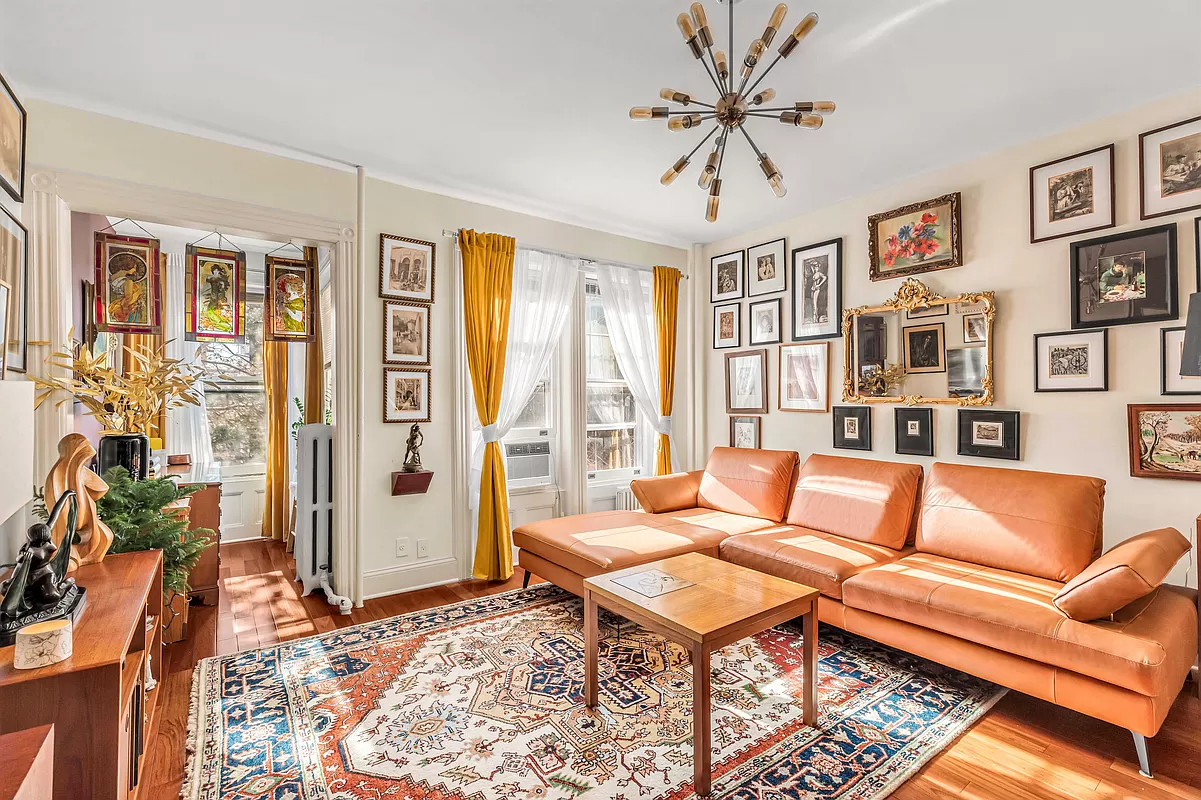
(27, 764)
(204, 512)
(97, 700)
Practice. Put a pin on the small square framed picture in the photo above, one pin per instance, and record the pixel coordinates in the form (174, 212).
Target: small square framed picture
(914, 431)
(1169, 169)
(990, 434)
(746, 382)
(766, 268)
(1072, 361)
(765, 319)
(406, 334)
(406, 395)
(975, 328)
(725, 277)
(1073, 195)
(853, 427)
(727, 326)
(1171, 348)
(804, 377)
(744, 433)
(925, 348)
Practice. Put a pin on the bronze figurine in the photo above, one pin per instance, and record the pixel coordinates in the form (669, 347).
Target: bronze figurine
(413, 450)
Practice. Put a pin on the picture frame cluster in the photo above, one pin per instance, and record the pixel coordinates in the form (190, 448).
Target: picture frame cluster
(407, 271)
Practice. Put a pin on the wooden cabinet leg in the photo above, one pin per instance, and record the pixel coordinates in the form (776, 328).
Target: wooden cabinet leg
(591, 650)
(701, 723)
(809, 630)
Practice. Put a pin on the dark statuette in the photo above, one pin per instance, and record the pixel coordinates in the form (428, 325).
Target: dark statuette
(413, 450)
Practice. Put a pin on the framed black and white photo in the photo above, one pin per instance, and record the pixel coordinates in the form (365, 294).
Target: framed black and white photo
(727, 326)
(13, 121)
(406, 334)
(765, 321)
(965, 372)
(406, 395)
(975, 328)
(1169, 169)
(990, 434)
(14, 270)
(804, 377)
(925, 348)
(817, 291)
(1072, 361)
(406, 268)
(746, 382)
(1171, 348)
(853, 427)
(914, 431)
(1125, 278)
(744, 433)
(725, 277)
(766, 268)
(1073, 195)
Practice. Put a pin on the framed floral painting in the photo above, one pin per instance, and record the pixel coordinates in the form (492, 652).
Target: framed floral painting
(288, 302)
(214, 295)
(917, 238)
(128, 284)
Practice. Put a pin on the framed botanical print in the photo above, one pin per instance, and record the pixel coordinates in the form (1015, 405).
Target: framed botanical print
(725, 277)
(1073, 195)
(128, 284)
(214, 295)
(406, 395)
(746, 382)
(925, 348)
(804, 377)
(1169, 169)
(745, 433)
(727, 326)
(1165, 440)
(14, 271)
(766, 272)
(817, 291)
(990, 434)
(288, 302)
(1125, 278)
(965, 372)
(12, 142)
(766, 321)
(913, 431)
(1072, 361)
(406, 334)
(406, 268)
(917, 238)
(853, 427)
(1171, 350)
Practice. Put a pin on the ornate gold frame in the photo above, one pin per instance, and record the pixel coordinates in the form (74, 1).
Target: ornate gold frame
(913, 294)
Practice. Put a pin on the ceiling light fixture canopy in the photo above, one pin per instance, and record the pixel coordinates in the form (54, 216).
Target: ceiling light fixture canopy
(734, 105)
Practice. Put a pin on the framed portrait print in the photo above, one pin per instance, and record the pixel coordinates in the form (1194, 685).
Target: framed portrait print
(975, 328)
(1125, 278)
(288, 301)
(1171, 349)
(1073, 195)
(804, 377)
(214, 295)
(727, 326)
(766, 268)
(406, 395)
(725, 277)
(406, 334)
(744, 433)
(406, 269)
(12, 142)
(1169, 169)
(765, 321)
(746, 382)
(990, 434)
(925, 348)
(1072, 361)
(917, 238)
(14, 271)
(965, 372)
(853, 427)
(1165, 440)
(128, 284)
(5, 300)
(913, 431)
(817, 291)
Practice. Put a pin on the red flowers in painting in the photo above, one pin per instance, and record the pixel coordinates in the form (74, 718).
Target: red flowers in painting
(916, 240)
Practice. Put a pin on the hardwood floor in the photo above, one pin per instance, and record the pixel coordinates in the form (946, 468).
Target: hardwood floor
(1024, 749)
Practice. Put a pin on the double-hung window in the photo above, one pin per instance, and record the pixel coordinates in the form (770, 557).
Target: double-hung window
(236, 399)
(612, 420)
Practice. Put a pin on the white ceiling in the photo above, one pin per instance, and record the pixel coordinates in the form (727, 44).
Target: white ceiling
(523, 103)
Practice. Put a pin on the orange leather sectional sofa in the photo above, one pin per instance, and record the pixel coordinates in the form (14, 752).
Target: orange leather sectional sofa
(995, 572)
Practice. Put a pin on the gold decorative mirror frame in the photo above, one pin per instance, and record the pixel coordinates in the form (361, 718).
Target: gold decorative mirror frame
(912, 295)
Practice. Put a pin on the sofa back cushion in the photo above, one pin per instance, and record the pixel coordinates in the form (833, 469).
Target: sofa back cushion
(1130, 570)
(754, 483)
(861, 499)
(1036, 523)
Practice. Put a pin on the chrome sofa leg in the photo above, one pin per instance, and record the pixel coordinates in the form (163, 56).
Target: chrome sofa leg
(525, 582)
(1144, 758)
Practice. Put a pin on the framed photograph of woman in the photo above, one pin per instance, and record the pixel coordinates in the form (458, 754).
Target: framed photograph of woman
(406, 269)
(920, 237)
(726, 277)
(214, 295)
(925, 348)
(12, 142)
(1125, 278)
(128, 284)
(1169, 169)
(14, 271)
(406, 395)
(406, 334)
(817, 291)
(288, 303)
(766, 273)
(1073, 195)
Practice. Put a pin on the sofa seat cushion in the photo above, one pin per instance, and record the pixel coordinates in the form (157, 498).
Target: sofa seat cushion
(1140, 649)
(859, 498)
(753, 483)
(590, 544)
(806, 556)
(721, 521)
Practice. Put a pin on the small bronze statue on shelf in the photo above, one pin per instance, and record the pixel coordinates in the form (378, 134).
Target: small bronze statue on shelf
(413, 450)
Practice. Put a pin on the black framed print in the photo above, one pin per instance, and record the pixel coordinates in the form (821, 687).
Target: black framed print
(914, 431)
(727, 326)
(13, 123)
(766, 268)
(1072, 361)
(925, 348)
(766, 319)
(725, 277)
(817, 291)
(853, 427)
(1169, 169)
(1073, 195)
(745, 433)
(990, 434)
(1125, 278)
(1171, 349)
(1197, 251)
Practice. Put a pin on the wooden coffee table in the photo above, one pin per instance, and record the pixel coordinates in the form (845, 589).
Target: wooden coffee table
(725, 603)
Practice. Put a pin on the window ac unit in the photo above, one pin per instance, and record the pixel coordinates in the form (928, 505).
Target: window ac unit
(529, 463)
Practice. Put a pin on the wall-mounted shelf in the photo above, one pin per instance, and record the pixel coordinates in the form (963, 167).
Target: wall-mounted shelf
(411, 482)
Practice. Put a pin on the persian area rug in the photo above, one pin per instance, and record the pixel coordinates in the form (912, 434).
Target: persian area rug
(483, 700)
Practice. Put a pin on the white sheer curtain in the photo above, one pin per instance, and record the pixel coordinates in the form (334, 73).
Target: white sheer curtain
(627, 295)
(187, 425)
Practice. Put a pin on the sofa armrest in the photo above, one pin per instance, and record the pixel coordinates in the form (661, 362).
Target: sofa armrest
(665, 493)
(1130, 570)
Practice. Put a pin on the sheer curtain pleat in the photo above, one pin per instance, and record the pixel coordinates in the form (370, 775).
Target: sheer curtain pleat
(187, 425)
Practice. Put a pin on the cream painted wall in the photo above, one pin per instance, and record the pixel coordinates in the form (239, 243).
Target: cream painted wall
(1081, 433)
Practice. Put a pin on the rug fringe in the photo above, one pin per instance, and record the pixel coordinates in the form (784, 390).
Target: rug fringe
(192, 749)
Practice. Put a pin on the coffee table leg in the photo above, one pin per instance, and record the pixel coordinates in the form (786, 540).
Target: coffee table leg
(701, 723)
(591, 650)
(809, 630)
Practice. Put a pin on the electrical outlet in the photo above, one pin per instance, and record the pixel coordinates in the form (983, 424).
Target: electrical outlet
(423, 548)
(402, 547)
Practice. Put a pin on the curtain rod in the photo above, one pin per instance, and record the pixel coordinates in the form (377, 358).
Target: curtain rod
(454, 234)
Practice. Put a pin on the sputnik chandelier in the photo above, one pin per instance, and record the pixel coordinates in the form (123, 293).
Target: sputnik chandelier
(734, 106)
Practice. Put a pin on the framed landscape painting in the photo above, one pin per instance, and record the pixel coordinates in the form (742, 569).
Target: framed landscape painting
(990, 434)
(767, 268)
(12, 142)
(14, 271)
(725, 277)
(406, 334)
(1165, 441)
(128, 287)
(406, 268)
(1169, 169)
(1125, 278)
(917, 238)
(288, 303)
(214, 295)
(817, 291)
(406, 395)
(1073, 195)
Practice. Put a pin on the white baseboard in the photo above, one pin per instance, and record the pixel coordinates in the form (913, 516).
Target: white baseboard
(410, 577)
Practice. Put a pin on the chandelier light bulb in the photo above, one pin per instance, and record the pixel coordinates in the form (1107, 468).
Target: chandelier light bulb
(799, 32)
(723, 66)
(817, 107)
(714, 200)
(702, 24)
(710, 168)
(773, 25)
(777, 185)
(686, 28)
(774, 178)
(671, 95)
(684, 122)
(765, 96)
(753, 54)
(648, 112)
(674, 172)
(811, 121)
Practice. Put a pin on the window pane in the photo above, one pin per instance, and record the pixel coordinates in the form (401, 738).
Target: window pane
(611, 450)
(610, 404)
(536, 413)
(241, 361)
(237, 422)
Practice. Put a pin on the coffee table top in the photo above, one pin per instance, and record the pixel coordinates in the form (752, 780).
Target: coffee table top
(723, 599)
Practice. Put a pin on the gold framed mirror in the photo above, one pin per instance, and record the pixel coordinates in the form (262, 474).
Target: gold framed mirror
(919, 348)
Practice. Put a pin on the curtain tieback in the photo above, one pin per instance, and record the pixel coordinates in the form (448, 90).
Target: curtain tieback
(491, 433)
(664, 425)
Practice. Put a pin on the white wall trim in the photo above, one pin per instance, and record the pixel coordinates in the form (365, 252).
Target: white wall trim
(698, 308)
(399, 579)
